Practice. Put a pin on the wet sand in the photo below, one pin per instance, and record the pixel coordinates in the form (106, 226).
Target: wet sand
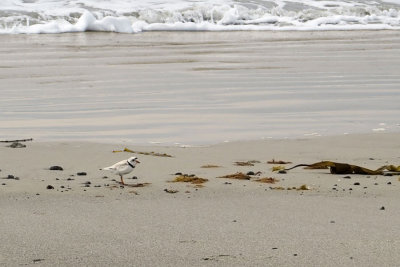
(198, 87)
(224, 223)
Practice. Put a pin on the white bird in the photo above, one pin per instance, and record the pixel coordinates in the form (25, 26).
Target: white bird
(123, 167)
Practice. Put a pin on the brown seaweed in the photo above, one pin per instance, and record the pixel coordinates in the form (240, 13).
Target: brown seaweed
(208, 166)
(189, 179)
(342, 168)
(246, 163)
(155, 154)
(273, 161)
(237, 176)
(267, 180)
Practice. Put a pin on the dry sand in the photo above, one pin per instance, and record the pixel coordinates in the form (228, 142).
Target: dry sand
(225, 223)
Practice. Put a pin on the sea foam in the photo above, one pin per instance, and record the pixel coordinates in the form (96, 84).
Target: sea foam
(127, 16)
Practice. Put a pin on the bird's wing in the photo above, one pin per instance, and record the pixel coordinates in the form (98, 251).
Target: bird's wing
(119, 164)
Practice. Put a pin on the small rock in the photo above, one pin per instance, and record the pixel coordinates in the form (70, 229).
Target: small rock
(171, 191)
(382, 208)
(87, 185)
(389, 183)
(3, 184)
(62, 186)
(178, 173)
(57, 179)
(357, 183)
(282, 172)
(227, 183)
(81, 174)
(274, 248)
(10, 176)
(350, 188)
(388, 174)
(295, 254)
(88, 182)
(70, 179)
(50, 187)
(250, 173)
(332, 221)
(347, 177)
(134, 177)
(97, 186)
(375, 183)
(56, 168)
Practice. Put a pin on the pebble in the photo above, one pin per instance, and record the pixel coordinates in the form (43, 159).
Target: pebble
(357, 183)
(88, 182)
(250, 173)
(389, 183)
(70, 179)
(134, 177)
(81, 173)
(375, 183)
(56, 168)
(347, 177)
(62, 186)
(282, 172)
(382, 208)
(10, 176)
(50, 187)
(178, 173)
(3, 184)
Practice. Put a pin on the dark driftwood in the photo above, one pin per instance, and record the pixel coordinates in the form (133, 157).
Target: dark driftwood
(14, 141)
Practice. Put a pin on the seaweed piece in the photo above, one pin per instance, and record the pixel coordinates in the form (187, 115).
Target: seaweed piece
(273, 161)
(278, 168)
(208, 166)
(237, 176)
(155, 154)
(342, 168)
(189, 179)
(137, 185)
(246, 163)
(267, 180)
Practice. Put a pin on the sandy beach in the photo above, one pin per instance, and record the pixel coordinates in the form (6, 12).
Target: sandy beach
(89, 220)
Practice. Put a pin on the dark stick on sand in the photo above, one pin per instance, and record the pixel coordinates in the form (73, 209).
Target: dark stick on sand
(13, 141)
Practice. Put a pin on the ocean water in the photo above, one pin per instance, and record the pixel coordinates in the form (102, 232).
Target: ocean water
(133, 16)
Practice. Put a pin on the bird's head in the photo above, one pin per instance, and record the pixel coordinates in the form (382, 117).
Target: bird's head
(133, 160)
